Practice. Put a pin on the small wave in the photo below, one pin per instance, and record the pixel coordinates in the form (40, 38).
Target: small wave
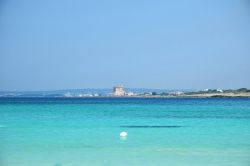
(1, 126)
(58, 164)
(153, 126)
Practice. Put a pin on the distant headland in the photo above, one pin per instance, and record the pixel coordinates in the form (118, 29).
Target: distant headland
(241, 92)
(119, 91)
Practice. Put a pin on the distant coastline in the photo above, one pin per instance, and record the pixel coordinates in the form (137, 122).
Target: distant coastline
(209, 93)
(132, 93)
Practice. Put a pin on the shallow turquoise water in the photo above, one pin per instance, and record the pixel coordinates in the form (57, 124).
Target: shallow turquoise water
(85, 132)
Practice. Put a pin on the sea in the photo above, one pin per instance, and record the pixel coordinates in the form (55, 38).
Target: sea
(161, 131)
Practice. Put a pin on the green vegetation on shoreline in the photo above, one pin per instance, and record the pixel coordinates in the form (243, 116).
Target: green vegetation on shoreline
(241, 92)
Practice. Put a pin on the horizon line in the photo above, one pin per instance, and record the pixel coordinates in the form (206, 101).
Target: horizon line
(68, 89)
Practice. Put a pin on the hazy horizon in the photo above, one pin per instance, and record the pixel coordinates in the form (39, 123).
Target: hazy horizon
(111, 89)
(51, 45)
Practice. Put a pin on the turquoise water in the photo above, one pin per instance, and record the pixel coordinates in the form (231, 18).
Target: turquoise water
(161, 132)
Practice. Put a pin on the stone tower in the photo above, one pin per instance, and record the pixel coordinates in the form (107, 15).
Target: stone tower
(118, 90)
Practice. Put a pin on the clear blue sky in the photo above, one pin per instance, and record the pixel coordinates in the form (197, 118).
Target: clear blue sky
(59, 44)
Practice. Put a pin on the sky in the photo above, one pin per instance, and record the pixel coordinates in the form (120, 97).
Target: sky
(181, 44)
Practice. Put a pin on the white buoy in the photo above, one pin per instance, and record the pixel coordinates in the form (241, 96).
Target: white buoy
(123, 134)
